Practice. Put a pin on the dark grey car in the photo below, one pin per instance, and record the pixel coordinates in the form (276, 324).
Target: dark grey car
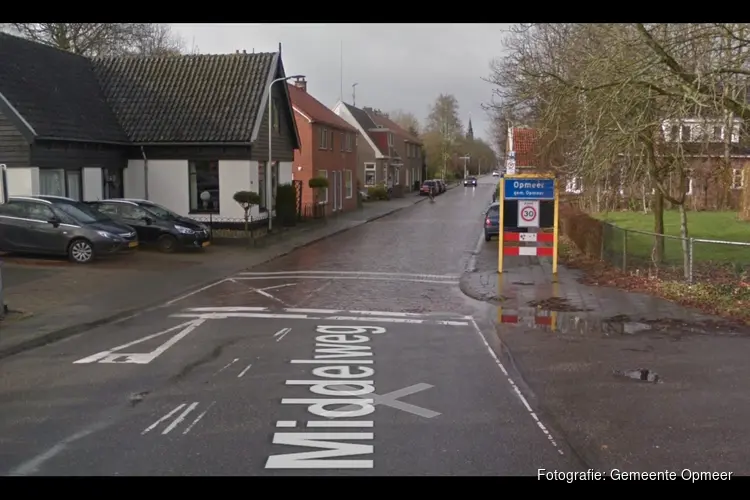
(61, 226)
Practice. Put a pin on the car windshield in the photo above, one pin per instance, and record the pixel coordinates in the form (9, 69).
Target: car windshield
(160, 212)
(493, 211)
(81, 212)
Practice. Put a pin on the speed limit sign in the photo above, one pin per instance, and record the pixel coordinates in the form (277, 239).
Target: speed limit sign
(528, 213)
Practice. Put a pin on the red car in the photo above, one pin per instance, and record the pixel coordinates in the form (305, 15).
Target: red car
(428, 186)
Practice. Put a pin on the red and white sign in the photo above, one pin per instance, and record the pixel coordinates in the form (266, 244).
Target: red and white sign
(529, 251)
(529, 237)
(528, 213)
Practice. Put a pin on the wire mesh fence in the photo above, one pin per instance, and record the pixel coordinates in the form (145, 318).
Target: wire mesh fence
(673, 257)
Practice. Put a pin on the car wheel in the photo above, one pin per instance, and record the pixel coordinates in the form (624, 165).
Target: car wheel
(80, 251)
(167, 243)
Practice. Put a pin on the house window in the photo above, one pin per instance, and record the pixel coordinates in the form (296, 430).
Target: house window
(674, 133)
(685, 133)
(348, 142)
(348, 183)
(58, 182)
(738, 178)
(323, 199)
(275, 120)
(717, 133)
(323, 138)
(330, 144)
(204, 178)
(390, 139)
(343, 140)
(396, 175)
(369, 174)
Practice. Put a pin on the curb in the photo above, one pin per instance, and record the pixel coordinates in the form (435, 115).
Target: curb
(70, 331)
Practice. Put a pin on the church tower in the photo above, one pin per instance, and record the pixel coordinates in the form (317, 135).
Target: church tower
(470, 130)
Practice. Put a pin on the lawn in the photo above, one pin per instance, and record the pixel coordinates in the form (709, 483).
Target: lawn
(707, 225)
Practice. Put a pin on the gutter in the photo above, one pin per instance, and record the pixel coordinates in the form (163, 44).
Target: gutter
(145, 173)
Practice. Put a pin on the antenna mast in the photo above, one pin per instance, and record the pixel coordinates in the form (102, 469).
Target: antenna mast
(341, 71)
(354, 94)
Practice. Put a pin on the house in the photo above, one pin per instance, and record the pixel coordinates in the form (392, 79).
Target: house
(406, 146)
(168, 129)
(328, 148)
(378, 158)
(522, 149)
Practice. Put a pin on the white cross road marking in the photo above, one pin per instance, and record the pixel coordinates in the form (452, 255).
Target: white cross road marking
(281, 333)
(391, 399)
(261, 291)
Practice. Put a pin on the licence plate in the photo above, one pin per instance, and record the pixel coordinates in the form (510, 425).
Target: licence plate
(205, 243)
(133, 244)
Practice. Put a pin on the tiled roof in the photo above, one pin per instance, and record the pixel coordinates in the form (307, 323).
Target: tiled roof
(56, 92)
(316, 110)
(395, 128)
(195, 98)
(365, 122)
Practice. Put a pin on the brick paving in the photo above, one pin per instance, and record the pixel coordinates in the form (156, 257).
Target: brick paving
(60, 299)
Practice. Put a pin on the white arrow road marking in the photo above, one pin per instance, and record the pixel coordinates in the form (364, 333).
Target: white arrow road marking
(115, 356)
(227, 365)
(177, 421)
(391, 399)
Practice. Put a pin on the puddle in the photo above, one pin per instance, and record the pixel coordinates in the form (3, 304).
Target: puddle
(569, 322)
(522, 283)
(556, 304)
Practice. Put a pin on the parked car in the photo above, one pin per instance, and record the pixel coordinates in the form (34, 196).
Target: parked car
(53, 225)
(441, 186)
(492, 223)
(495, 173)
(156, 225)
(470, 181)
(428, 186)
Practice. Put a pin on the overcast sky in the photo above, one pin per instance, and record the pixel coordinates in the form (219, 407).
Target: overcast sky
(396, 66)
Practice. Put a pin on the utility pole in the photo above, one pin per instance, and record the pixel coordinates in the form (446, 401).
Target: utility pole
(354, 94)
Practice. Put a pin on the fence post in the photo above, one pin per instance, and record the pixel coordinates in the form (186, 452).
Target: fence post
(691, 243)
(624, 250)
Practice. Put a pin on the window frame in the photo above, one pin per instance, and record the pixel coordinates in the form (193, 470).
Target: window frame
(323, 138)
(348, 184)
(371, 167)
(66, 182)
(215, 202)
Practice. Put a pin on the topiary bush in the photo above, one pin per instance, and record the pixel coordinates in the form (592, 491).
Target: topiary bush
(379, 192)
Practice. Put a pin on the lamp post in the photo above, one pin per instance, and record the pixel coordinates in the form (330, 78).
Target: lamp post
(269, 185)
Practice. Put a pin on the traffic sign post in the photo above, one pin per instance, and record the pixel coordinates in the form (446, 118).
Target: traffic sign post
(535, 195)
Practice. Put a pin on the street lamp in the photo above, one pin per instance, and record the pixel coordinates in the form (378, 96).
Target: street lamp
(269, 185)
(464, 158)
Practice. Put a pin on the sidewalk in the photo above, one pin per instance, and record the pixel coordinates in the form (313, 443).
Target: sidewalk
(64, 299)
(631, 381)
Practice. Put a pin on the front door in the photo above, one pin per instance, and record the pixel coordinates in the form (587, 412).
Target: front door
(113, 187)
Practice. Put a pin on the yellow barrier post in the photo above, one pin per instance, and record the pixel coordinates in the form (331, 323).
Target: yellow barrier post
(555, 245)
(501, 225)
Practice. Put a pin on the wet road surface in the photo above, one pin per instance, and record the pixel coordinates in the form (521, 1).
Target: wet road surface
(355, 355)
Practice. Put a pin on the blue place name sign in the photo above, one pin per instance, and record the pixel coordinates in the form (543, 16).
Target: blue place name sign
(529, 189)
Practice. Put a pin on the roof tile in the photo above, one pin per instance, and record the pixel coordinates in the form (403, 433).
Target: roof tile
(316, 110)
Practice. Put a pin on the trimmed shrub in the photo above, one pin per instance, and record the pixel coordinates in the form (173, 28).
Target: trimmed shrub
(585, 231)
(378, 192)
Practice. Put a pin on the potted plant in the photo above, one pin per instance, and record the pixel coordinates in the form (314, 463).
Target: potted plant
(247, 199)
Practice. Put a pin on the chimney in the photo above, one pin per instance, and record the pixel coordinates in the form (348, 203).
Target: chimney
(301, 83)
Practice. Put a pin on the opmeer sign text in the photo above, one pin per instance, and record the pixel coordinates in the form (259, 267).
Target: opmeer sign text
(529, 189)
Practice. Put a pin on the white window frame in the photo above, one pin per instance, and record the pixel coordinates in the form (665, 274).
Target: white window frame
(349, 183)
(65, 173)
(323, 139)
(741, 176)
(371, 167)
(324, 191)
(390, 139)
(396, 176)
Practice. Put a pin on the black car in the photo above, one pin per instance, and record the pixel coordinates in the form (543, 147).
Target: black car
(470, 181)
(156, 224)
(61, 226)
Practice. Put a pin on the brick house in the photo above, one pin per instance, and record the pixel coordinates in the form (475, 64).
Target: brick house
(378, 157)
(166, 129)
(406, 146)
(328, 148)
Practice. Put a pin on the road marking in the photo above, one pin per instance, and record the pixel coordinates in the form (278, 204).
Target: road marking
(281, 333)
(227, 365)
(190, 294)
(370, 319)
(449, 281)
(242, 373)
(517, 390)
(177, 421)
(298, 310)
(198, 418)
(261, 291)
(277, 286)
(227, 309)
(115, 356)
(287, 274)
(391, 399)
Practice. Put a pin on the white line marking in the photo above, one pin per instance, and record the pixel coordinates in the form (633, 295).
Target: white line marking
(516, 389)
(179, 419)
(392, 399)
(240, 315)
(287, 274)
(227, 309)
(260, 291)
(242, 373)
(340, 423)
(162, 419)
(322, 287)
(370, 319)
(227, 365)
(115, 356)
(365, 278)
(277, 286)
(190, 294)
(199, 418)
(288, 424)
(281, 333)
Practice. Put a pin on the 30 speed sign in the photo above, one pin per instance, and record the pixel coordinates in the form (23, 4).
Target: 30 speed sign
(528, 213)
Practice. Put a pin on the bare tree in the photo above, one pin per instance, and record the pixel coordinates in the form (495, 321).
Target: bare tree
(102, 39)
(444, 123)
(406, 120)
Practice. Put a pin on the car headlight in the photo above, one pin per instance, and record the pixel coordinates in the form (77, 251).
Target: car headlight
(183, 229)
(105, 234)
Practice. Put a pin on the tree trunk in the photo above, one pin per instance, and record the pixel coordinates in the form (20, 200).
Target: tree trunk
(658, 207)
(685, 243)
(745, 194)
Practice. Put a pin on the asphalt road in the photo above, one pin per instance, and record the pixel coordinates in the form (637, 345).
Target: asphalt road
(356, 355)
